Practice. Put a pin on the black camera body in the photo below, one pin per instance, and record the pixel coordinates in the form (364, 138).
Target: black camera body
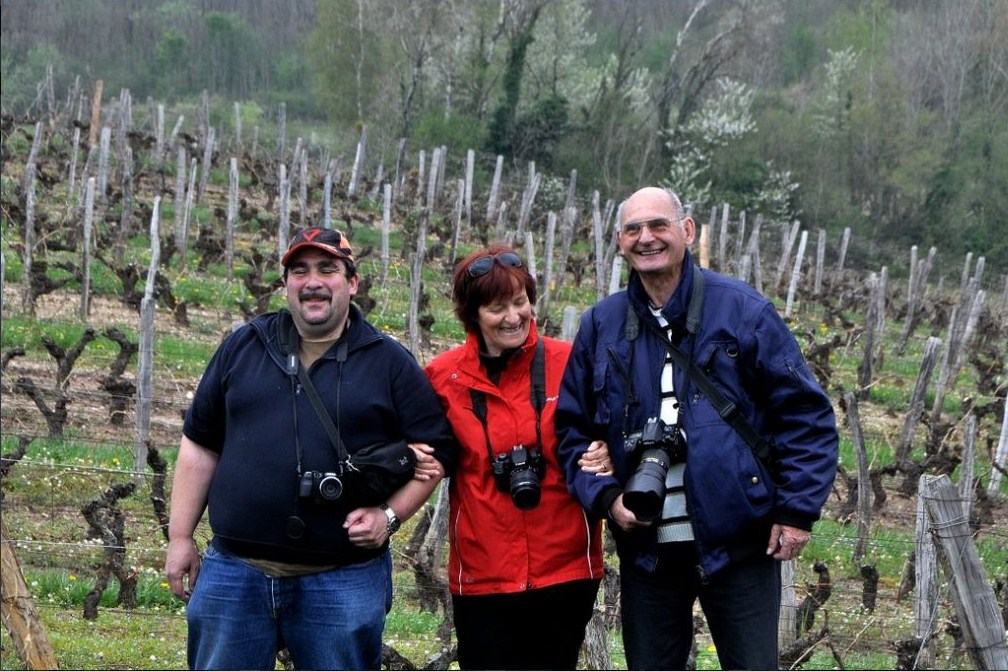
(659, 446)
(320, 487)
(518, 472)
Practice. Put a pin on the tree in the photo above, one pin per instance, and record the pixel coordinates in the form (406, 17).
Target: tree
(234, 55)
(346, 55)
(520, 20)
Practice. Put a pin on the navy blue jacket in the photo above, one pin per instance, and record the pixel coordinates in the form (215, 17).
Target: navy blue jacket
(612, 385)
(249, 410)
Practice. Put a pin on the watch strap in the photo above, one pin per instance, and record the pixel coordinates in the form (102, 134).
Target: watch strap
(393, 520)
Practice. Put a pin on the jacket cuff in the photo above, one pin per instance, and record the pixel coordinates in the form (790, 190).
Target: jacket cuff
(604, 501)
(793, 519)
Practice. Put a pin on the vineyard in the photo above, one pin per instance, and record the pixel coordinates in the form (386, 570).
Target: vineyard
(130, 250)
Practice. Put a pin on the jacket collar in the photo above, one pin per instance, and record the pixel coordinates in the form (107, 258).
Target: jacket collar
(470, 355)
(677, 306)
(359, 332)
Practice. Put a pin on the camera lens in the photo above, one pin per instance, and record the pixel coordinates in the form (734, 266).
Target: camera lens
(525, 491)
(330, 488)
(644, 494)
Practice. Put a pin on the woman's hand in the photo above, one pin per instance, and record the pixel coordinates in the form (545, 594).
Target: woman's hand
(427, 467)
(596, 459)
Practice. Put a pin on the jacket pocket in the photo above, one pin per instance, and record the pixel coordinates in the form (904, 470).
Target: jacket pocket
(600, 388)
(719, 362)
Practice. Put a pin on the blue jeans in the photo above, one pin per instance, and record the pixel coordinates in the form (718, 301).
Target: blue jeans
(741, 605)
(239, 617)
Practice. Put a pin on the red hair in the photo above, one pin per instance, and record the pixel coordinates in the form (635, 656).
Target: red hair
(499, 284)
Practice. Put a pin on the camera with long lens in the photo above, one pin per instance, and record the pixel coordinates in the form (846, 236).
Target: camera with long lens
(518, 472)
(659, 446)
(320, 487)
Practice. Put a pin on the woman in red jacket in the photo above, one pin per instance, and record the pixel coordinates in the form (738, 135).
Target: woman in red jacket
(525, 560)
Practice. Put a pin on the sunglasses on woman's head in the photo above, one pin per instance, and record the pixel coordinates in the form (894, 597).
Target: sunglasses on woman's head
(483, 264)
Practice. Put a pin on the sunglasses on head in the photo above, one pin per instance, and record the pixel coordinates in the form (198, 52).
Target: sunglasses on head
(484, 264)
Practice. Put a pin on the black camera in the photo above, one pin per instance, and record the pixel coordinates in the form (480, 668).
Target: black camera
(660, 446)
(320, 487)
(518, 472)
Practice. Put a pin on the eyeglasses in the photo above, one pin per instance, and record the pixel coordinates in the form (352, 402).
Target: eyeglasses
(633, 229)
(484, 264)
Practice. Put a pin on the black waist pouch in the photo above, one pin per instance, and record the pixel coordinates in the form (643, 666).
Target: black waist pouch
(377, 471)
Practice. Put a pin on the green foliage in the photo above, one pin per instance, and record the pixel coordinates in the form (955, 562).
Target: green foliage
(458, 132)
(347, 61)
(502, 128)
(22, 75)
(539, 130)
(800, 52)
(171, 50)
(234, 53)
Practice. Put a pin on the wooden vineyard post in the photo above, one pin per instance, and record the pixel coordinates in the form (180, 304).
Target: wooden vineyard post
(864, 477)
(913, 416)
(703, 245)
(20, 614)
(788, 617)
(542, 307)
(145, 353)
(95, 113)
(975, 603)
(1000, 454)
(926, 584)
(795, 274)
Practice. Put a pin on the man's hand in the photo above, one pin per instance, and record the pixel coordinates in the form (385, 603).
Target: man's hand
(786, 542)
(367, 527)
(182, 566)
(624, 517)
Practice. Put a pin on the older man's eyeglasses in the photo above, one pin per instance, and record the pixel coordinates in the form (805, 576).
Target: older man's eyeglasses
(661, 225)
(484, 264)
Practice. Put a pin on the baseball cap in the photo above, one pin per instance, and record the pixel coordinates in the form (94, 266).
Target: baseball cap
(327, 239)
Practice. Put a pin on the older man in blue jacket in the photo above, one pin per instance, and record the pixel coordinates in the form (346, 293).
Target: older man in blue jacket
(722, 465)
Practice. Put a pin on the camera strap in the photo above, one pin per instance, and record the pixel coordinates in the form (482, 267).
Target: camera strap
(728, 410)
(288, 338)
(538, 395)
(327, 423)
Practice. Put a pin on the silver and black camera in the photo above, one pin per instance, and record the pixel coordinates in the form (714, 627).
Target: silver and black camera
(659, 446)
(519, 472)
(320, 487)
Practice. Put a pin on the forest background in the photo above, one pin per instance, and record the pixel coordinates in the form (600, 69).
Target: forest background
(885, 117)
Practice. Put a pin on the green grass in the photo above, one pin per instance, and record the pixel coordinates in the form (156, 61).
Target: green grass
(69, 590)
(118, 639)
(181, 355)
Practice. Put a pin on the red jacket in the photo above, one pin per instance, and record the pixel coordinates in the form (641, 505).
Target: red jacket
(495, 547)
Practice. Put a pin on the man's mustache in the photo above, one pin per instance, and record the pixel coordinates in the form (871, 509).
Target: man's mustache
(314, 295)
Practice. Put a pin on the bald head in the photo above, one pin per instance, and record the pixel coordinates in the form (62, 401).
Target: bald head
(651, 199)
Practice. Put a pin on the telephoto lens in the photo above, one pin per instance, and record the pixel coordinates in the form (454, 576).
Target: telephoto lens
(644, 494)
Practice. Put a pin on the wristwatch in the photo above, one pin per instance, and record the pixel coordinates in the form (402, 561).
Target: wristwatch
(393, 520)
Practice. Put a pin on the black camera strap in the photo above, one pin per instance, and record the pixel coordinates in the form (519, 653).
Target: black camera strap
(327, 422)
(728, 410)
(288, 338)
(538, 396)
